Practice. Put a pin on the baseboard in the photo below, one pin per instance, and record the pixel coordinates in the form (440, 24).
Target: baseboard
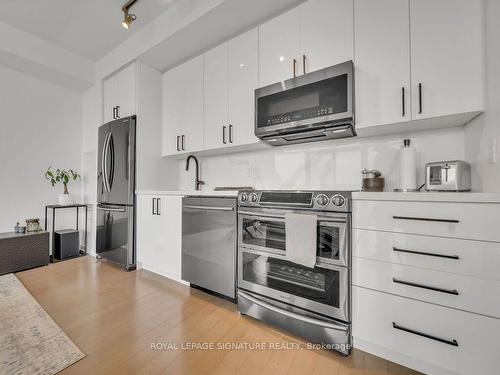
(161, 272)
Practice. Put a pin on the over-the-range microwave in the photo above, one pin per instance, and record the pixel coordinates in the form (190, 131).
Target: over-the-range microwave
(313, 107)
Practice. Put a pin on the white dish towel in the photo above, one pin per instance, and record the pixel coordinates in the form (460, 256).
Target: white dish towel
(301, 233)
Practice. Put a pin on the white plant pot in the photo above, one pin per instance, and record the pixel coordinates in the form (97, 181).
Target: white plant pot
(64, 199)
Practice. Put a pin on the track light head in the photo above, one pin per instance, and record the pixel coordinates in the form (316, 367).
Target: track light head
(128, 19)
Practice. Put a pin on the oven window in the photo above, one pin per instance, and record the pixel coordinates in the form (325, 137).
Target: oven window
(270, 234)
(315, 284)
(326, 97)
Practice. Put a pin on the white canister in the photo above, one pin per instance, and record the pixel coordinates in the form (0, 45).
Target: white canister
(407, 167)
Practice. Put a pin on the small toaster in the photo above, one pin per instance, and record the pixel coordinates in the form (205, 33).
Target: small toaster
(448, 176)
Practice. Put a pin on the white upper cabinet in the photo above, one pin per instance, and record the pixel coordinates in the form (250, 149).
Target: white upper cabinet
(446, 57)
(216, 125)
(243, 79)
(231, 76)
(182, 109)
(279, 48)
(110, 98)
(315, 35)
(120, 94)
(127, 91)
(415, 60)
(326, 33)
(382, 62)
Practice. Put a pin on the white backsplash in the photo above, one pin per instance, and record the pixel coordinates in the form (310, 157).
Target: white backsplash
(334, 165)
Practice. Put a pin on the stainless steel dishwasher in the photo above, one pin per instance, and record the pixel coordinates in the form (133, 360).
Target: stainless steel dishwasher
(209, 244)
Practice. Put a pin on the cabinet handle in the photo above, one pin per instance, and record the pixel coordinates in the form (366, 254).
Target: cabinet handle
(117, 111)
(178, 147)
(403, 113)
(153, 206)
(409, 330)
(182, 142)
(114, 113)
(436, 289)
(294, 66)
(230, 133)
(420, 98)
(158, 206)
(425, 219)
(304, 64)
(456, 257)
(224, 134)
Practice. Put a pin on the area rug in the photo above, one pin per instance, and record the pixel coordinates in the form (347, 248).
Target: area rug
(30, 341)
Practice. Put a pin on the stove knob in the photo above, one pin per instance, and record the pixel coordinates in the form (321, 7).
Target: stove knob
(321, 200)
(243, 198)
(338, 200)
(254, 198)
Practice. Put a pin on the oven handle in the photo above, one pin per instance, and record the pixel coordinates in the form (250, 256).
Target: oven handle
(209, 208)
(282, 218)
(302, 318)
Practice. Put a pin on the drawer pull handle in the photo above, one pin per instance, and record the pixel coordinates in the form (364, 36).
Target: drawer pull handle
(445, 341)
(425, 253)
(426, 219)
(448, 291)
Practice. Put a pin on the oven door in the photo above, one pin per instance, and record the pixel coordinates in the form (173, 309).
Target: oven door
(323, 289)
(264, 230)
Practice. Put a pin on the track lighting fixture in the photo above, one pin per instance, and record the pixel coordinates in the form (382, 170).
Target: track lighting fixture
(128, 18)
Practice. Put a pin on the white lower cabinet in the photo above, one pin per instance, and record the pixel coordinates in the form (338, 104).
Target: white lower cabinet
(429, 338)
(159, 234)
(426, 284)
(442, 288)
(475, 221)
(464, 257)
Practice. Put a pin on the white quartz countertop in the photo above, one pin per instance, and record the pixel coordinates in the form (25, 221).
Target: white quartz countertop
(197, 193)
(471, 197)
(466, 197)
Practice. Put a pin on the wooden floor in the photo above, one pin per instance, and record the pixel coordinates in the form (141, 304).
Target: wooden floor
(114, 316)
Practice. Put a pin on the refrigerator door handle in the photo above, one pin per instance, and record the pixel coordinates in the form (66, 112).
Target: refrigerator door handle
(128, 157)
(111, 147)
(106, 156)
(104, 163)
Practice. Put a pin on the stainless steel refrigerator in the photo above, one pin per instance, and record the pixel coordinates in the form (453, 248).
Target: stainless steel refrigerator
(116, 192)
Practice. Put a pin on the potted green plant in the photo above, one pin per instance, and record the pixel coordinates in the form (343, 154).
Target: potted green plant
(64, 176)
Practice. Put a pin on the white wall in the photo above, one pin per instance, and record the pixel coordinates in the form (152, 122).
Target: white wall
(334, 165)
(30, 54)
(40, 127)
(486, 128)
(90, 121)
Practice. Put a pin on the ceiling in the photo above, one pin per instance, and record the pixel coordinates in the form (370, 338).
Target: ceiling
(88, 28)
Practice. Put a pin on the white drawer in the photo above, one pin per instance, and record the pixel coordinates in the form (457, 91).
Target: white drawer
(477, 221)
(457, 291)
(374, 316)
(474, 258)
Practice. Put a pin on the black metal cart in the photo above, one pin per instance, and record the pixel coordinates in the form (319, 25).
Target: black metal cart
(54, 208)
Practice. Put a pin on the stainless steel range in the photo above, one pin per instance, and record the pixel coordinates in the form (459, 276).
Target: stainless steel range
(314, 303)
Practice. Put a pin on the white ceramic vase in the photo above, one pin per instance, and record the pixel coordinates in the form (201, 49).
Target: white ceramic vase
(64, 199)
